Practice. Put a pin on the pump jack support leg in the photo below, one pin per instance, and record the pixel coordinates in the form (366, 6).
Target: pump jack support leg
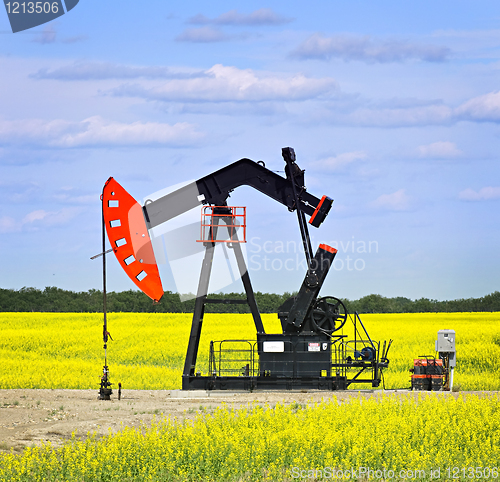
(199, 311)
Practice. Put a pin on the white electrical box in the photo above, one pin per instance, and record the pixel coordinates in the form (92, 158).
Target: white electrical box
(445, 344)
(446, 341)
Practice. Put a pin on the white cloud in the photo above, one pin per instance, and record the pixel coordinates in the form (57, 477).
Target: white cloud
(71, 195)
(42, 218)
(95, 132)
(484, 194)
(397, 201)
(439, 150)
(67, 199)
(411, 112)
(228, 84)
(338, 163)
(109, 70)
(263, 16)
(203, 35)
(484, 108)
(34, 130)
(35, 216)
(366, 49)
(99, 132)
(35, 220)
(264, 108)
(437, 114)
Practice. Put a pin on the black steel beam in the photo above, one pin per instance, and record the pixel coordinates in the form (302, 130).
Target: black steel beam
(215, 188)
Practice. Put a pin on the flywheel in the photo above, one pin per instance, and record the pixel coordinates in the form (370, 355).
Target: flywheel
(329, 314)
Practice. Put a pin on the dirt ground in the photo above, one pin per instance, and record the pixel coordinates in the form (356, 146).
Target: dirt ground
(34, 417)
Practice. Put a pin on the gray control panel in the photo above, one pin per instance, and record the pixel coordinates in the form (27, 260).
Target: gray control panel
(445, 343)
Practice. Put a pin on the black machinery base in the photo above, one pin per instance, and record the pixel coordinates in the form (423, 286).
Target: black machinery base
(244, 383)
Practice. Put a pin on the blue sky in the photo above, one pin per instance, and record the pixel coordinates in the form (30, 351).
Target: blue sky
(393, 109)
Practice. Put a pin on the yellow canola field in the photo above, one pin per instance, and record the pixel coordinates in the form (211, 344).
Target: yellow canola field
(65, 350)
(434, 437)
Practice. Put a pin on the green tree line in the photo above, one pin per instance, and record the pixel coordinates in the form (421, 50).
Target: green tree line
(53, 299)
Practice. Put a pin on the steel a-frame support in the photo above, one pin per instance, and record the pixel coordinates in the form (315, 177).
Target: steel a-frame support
(202, 293)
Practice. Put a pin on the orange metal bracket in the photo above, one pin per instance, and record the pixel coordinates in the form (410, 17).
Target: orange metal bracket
(235, 221)
(129, 238)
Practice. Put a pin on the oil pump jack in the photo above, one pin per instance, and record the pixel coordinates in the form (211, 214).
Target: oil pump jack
(312, 352)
